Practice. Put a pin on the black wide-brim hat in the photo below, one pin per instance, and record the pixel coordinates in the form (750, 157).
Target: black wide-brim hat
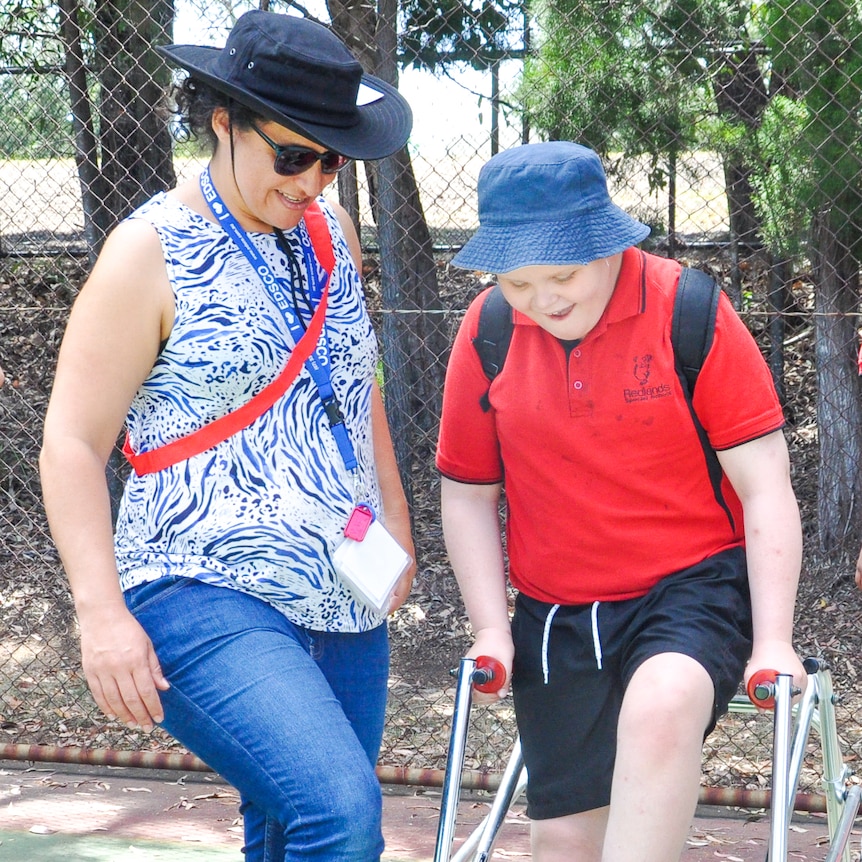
(299, 74)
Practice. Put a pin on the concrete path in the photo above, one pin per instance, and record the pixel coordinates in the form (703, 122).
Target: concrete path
(65, 814)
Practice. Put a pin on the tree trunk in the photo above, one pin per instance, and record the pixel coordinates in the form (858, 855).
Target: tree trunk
(348, 193)
(133, 158)
(86, 148)
(839, 414)
(413, 341)
(409, 286)
(137, 158)
(778, 298)
(740, 94)
(671, 202)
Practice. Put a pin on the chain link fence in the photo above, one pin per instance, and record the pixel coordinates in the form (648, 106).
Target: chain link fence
(732, 128)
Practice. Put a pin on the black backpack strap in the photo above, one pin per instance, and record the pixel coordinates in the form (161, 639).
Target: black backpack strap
(693, 325)
(692, 333)
(493, 336)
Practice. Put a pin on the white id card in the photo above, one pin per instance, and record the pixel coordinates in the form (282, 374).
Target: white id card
(371, 567)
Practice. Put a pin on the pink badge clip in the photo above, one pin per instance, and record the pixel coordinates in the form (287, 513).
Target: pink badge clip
(359, 521)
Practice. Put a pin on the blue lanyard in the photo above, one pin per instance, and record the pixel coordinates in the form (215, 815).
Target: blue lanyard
(319, 362)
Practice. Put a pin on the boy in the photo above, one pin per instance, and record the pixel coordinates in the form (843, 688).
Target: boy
(645, 583)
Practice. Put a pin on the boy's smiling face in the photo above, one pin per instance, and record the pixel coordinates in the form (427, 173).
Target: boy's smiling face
(566, 300)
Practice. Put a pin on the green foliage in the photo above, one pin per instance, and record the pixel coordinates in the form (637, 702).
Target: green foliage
(619, 77)
(817, 58)
(436, 32)
(35, 118)
(35, 109)
(28, 34)
(783, 183)
(657, 79)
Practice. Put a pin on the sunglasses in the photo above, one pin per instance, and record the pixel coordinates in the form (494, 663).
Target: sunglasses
(293, 159)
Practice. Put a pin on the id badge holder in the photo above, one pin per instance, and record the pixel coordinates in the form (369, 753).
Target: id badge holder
(368, 558)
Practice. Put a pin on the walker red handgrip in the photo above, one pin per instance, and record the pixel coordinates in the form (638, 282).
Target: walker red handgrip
(489, 675)
(761, 688)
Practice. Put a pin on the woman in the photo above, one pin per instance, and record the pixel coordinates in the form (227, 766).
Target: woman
(216, 610)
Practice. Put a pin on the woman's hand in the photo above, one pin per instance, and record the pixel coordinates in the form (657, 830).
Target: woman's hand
(402, 588)
(396, 513)
(121, 667)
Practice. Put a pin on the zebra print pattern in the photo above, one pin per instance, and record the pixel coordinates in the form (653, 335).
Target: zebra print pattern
(262, 511)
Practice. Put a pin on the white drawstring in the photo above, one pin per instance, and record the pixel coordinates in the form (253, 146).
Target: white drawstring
(597, 643)
(545, 638)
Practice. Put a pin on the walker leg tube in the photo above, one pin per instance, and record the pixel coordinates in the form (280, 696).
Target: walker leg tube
(840, 838)
(806, 715)
(455, 761)
(835, 771)
(780, 821)
(466, 852)
(477, 847)
(512, 785)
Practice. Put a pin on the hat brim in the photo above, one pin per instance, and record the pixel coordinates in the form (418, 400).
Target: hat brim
(590, 236)
(382, 129)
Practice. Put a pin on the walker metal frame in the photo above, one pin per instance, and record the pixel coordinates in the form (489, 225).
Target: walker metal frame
(792, 728)
(816, 708)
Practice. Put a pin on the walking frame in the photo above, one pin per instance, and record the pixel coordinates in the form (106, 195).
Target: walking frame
(767, 689)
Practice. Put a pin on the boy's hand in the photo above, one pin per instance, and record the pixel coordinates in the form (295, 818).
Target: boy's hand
(496, 644)
(778, 656)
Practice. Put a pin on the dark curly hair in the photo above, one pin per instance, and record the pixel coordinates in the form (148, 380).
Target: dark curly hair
(195, 102)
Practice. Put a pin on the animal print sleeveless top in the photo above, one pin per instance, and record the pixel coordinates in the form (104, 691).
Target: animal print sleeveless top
(262, 511)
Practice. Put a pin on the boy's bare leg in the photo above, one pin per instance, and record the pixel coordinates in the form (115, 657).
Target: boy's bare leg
(656, 778)
(665, 712)
(564, 839)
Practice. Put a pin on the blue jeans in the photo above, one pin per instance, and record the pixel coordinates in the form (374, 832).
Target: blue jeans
(292, 718)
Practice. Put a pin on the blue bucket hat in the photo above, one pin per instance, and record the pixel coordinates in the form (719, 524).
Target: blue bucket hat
(546, 204)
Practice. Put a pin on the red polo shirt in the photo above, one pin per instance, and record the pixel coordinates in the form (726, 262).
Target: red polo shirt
(606, 481)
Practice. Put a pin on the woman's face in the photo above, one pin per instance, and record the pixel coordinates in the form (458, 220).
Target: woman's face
(263, 199)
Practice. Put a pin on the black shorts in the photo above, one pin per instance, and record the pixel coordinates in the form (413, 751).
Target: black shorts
(573, 663)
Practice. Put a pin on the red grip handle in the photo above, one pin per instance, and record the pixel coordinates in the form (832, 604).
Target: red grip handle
(761, 688)
(489, 675)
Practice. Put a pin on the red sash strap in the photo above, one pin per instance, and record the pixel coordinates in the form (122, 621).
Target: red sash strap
(226, 426)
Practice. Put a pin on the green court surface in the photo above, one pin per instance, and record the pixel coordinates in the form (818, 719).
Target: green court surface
(25, 847)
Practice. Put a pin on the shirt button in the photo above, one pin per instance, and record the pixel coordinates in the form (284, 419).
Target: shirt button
(577, 354)
(578, 384)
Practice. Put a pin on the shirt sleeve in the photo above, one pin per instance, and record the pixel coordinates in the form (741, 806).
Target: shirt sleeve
(467, 447)
(735, 397)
